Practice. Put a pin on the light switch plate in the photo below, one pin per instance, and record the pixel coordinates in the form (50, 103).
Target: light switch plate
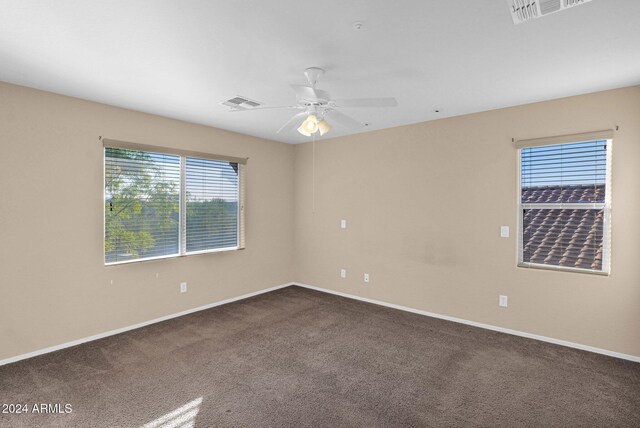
(504, 231)
(343, 224)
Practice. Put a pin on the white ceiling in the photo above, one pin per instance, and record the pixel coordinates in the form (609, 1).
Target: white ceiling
(180, 59)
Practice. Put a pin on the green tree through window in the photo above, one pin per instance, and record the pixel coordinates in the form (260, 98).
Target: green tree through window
(141, 204)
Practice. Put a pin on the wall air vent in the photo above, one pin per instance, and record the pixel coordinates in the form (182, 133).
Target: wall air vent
(526, 10)
(240, 103)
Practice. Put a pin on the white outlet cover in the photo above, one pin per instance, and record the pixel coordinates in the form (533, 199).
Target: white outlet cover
(366, 277)
(183, 287)
(343, 224)
(504, 231)
(503, 301)
(343, 273)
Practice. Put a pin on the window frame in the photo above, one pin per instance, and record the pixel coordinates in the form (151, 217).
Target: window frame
(605, 206)
(182, 211)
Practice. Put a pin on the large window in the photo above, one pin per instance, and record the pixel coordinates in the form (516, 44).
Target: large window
(164, 204)
(565, 204)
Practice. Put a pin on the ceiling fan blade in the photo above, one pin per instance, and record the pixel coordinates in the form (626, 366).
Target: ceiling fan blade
(311, 94)
(367, 102)
(263, 108)
(343, 119)
(305, 92)
(292, 123)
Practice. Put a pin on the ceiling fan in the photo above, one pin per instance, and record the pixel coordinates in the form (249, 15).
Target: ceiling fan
(318, 108)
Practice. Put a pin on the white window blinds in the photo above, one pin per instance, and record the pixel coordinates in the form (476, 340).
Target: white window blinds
(565, 205)
(141, 205)
(212, 200)
(163, 205)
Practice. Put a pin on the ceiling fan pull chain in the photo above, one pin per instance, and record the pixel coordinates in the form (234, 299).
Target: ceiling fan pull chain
(313, 173)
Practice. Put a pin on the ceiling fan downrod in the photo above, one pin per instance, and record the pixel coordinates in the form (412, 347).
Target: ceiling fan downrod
(313, 74)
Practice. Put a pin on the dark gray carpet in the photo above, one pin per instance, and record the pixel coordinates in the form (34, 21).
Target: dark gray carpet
(298, 358)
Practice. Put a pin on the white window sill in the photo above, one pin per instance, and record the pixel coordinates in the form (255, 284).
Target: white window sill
(174, 256)
(562, 269)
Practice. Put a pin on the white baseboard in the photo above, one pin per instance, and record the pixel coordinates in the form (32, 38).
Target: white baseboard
(324, 290)
(139, 325)
(478, 324)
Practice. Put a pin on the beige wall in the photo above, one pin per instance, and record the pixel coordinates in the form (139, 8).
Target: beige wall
(424, 204)
(54, 287)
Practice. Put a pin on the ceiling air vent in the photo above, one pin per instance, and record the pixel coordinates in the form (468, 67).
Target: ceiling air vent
(240, 103)
(526, 10)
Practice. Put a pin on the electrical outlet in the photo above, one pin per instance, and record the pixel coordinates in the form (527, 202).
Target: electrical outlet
(504, 231)
(343, 224)
(183, 287)
(366, 277)
(343, 273)
(503, 301)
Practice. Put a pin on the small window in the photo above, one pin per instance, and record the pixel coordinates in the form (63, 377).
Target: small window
(161, 205)
(565, 206)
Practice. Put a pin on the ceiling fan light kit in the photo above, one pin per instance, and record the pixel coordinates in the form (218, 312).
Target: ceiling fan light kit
(316, 105)
(311, 125)
(323, 127)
